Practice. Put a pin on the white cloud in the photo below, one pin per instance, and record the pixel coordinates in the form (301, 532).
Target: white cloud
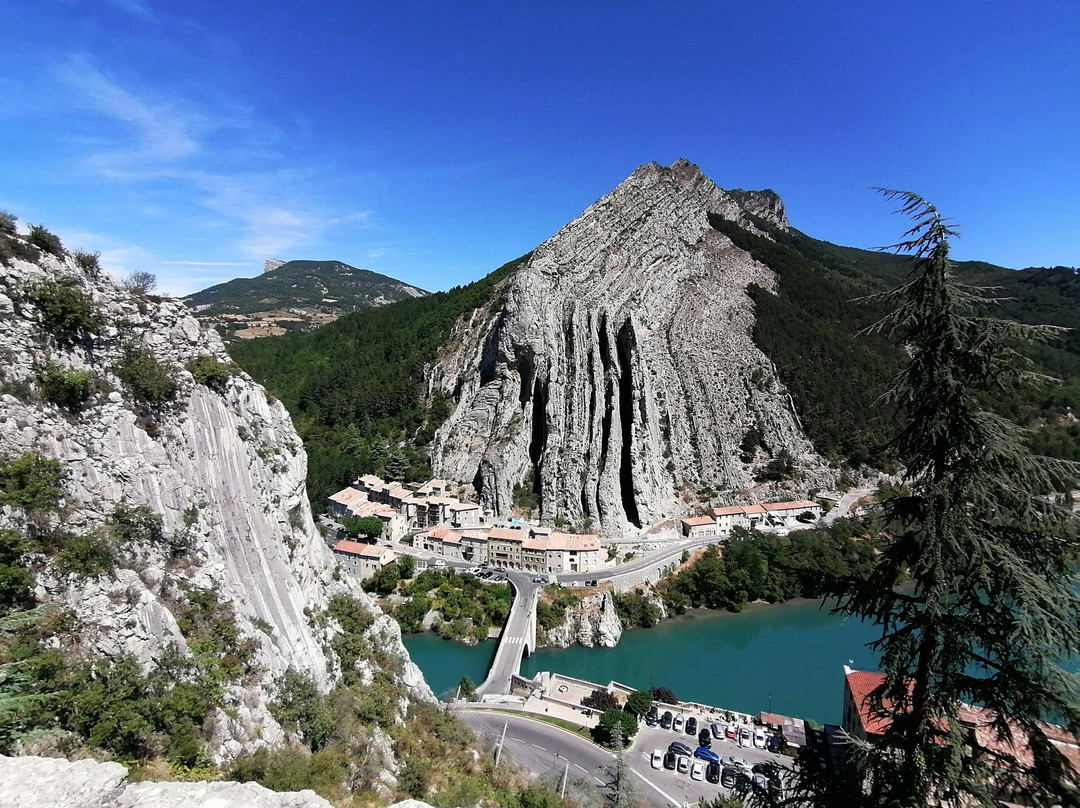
(208, 263)
(136, 9)
(378, 252)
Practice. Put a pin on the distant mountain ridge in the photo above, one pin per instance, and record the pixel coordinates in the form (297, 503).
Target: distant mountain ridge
(295, 296)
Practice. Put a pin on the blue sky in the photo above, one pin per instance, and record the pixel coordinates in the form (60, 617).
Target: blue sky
(434, 141)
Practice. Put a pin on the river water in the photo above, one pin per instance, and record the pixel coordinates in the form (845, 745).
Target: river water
(786, 658)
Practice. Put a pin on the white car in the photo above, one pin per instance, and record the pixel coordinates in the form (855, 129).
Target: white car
(657, 759)
(683, 764)
(678, 725)
(697, 771)
(744, 737)
(759, 738)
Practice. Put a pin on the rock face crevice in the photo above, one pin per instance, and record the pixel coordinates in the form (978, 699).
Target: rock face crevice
(224, 467)
(620, 368)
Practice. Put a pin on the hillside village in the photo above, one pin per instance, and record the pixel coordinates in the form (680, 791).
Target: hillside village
(435, 521)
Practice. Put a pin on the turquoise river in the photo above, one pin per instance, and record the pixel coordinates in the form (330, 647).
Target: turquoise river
(788, 658)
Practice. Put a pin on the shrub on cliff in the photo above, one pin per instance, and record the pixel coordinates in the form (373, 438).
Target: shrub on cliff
(65, 310)
(45, 240)
(67, 388)
(212, 373)
(145, 378)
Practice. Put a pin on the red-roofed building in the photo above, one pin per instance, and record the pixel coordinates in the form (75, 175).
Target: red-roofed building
(699, 527)
(363, 560)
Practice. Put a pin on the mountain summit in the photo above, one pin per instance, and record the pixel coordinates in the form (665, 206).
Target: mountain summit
(621, 369)
(294, 295)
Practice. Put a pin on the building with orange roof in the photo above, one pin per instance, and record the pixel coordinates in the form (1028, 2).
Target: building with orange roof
(363, 560)
(699, 527)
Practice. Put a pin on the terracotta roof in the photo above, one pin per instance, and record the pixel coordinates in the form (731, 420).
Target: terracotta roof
(347, 496)
(748, 509)
(464, 506)
(790, 506)
(506, 534)
(862, 684)
(370, 479)
(360, 549)
(699, 520)
(729, 510)
(401, 492)
(573, 541)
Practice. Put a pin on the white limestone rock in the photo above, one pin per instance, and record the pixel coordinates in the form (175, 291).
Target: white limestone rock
(226, 469)
(592, 622)
(617, 364)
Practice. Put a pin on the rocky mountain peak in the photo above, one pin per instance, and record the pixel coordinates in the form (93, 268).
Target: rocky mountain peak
(620, 371)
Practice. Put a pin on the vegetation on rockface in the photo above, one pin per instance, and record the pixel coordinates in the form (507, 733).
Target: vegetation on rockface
(760, 566)
(990, 609)
(67, 388)
(636, 609)
(65, 310)
(812, 330)
(553, 604)
(355, 387)
(148, 380)
(467, 607)
(45, 240)
(210, 372)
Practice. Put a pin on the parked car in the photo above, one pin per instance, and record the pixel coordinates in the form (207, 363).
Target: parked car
(657, 758)
(717, 730)
(438, 562)
(665, 722)
(768, 768)
(691, 726)
(728, 761)
(728, 774)
(704, 738)
(712, 772)
(760, 782)
(539, 579)
(697, 771)
(732, 731)
(774, 743)
(776, 787)
(678, 725)
(683, 764)
(679, 748)
(669, 760)
(740, 763)
(701, 753)
(654, 713)
(650, 721)
(759, 738)
(745, 738)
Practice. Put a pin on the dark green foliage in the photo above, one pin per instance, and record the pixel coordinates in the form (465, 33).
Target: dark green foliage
(355, 388)
(991, 607)
(67, 388)
(14, 247)
(406, 566)
(15, 579)
(140, 283)
(291, 769)
(147, 380)
(456, 598)
(299, 707)
(635, 609)
(601, 699)
(467, 689)
(664, 695)
(84, 554)
(31, 482)
(89, 262)
(209, 626)
(614, 721)
(209, 371)
(384, 581)
(369, 527)
(759, 566)
(136, 523)
(45, 240)
(7, 223)
(781, 467)
(639, 703)
(350, 644)
(65, 310)
(551, 610)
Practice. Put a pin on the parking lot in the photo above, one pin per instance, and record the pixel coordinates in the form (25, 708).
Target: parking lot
(679, 787)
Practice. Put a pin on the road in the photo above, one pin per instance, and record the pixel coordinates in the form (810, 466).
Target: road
(514, 638)
(846, 502)
(547, 751)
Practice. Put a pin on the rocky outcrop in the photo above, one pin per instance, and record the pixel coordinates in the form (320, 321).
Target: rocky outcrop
(616, 368)
(593, 621)
(39, 782)
(223, 468)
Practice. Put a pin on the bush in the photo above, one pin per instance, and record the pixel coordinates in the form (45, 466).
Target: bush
(212, 373)
(614, 722)
(665, 695)
(148, 380)
(639, 702)
(635, 609)
(601, 699)
(14, 247)
(44, 240)
(299, 707)
(7, 222)
(140, 283)
(86, 555)
(136, 523)
(370, 527)
(88, 261)
(31, 482)
(64, 309)
(67, 388)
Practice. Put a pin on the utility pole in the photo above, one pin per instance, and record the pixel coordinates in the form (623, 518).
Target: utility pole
(499, 747)
(565, 774)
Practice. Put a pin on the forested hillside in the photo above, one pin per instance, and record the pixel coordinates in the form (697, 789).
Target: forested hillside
(355, 387)
(813, 330)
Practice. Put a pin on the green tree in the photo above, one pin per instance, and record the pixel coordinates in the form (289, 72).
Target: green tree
(467, 689)
(370, 527)
(406, 566)
(614, 727)
(639, 702)
(992, 603)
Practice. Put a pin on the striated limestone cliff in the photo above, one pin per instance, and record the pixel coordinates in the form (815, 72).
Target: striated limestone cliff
(616, 367)
(223, 469)
(592, 622)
